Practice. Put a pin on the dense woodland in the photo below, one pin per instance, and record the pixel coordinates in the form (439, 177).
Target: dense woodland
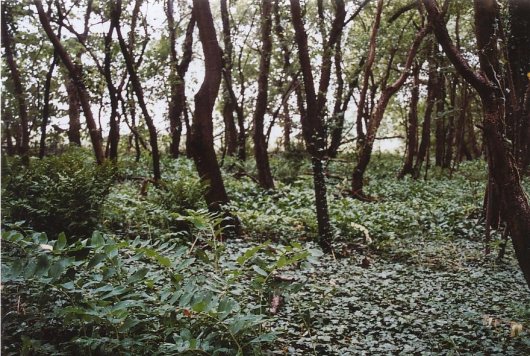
(218, 177)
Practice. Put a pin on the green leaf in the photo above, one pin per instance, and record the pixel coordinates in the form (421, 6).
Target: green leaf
(97, 239)
(60, 243)
(259, 270)
(268, 337)
(138, 275)
(96, 260)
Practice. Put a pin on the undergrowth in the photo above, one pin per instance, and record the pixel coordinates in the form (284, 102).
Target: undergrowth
(98, 260)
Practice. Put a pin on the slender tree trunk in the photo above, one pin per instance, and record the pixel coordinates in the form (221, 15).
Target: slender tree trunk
(77, 79)
(74, 113)
(202, 147)
(362, 112)
(260, 145)
(450, 129)
(287, 68)
(433, 92)
(412, 127)
(46, 106)
(114, 132)
(137, 87)
(177, 103)
(313, 128)
(228, 103)
(7, 43)
(440, 124)
(365, 152)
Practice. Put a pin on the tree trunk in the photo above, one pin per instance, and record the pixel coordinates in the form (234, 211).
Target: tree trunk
(412, 127)
(313, 128)
(137, 87)
(77, 80)
(7, 43)
(46, 106)
(362, 112)
(201, 143)
(440, 124)
(433, 92)
(177, 103)
(519, 63)
(228, 103)
(260, 144)
(74, 113)
(365, 151)
(515, 209)
(114, 132)
(450, 128)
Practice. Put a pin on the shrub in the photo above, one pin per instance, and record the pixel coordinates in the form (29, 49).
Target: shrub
(57, 194)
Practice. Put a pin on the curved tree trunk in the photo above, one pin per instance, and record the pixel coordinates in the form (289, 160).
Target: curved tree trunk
(260, 144)
(77, 80)
(137, 87)
(365, 151)
(201, 144)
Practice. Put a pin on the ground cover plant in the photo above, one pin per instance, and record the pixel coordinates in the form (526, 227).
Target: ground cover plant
(409, 272)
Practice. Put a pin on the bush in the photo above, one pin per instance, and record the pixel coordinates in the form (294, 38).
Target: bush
(57, 194)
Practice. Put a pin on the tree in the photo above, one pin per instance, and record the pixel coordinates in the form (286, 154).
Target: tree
(366, 140)
(229, 102)
(260, 145)
(412, 124)
(77, 79)
(7, 43)
(177, 103)
(433, 94)
(312, 118)
(503, 171)
(518, 55)
(138, 90)
(201, 142)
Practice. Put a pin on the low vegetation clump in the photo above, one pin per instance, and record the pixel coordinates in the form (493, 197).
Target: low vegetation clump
(151, 273)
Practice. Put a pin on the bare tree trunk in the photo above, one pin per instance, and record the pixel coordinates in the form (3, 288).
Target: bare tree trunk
(412, 127)
(279, 31)
(515, 209)
(114, 132)
(228, 103)
(137, 87)
(7, 43)
(450, 129)
(74, 113)
(202, 147)
(313, 128)
(362, 112)
(46, 106)
(365, 152)
(177, 103)
(260, 145)
(78, 81)
(440, 124)
(433, 92)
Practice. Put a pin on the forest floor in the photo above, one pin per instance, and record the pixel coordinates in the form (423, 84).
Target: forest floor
(409, 274)
(430, 297)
